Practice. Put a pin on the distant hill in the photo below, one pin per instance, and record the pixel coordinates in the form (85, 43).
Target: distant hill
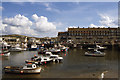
(19, 36)
(13, 35)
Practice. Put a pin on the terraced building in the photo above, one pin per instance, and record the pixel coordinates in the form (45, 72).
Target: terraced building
(90, 35)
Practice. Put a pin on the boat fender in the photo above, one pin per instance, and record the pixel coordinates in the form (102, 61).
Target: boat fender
(33, 66)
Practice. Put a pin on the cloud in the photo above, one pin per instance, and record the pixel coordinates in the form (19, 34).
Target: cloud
(50, 8)
(19, 24)
(46, 4)
(60, 1)
(1, 8)
(42, 24)
(18, 20)
(96, 26)
(106, 21)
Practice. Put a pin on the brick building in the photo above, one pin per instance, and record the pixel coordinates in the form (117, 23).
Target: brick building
(90, 35)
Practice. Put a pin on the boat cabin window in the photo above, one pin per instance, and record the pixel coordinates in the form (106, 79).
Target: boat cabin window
(29, 66)
(47, 54)
(36, 57)
(45, 59)
(53, 57)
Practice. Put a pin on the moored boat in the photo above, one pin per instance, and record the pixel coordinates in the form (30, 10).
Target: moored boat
(95, 53)
(4, 52)
(37, 61)
(45, 60)
(15, 49)
(40, 59)
(55, 58)
(27, 69)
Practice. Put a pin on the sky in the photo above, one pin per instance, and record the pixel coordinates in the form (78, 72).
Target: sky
(46, 19)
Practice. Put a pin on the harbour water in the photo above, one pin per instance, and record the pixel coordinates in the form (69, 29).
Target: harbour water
(75, 65)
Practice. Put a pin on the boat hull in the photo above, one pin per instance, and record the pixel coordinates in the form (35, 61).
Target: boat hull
(23, 71)
(53, 52)
(94, 55)
(17, 50)
(41, 52)
(32, 49)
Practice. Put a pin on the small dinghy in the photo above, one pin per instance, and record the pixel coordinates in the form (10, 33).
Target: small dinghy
(27, 69)
(95, 53)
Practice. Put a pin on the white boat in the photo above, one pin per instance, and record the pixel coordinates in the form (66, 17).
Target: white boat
(55, 58)
(45, 60)
(27, 69)
(48, 53)
(40, 59)
(15, 49)
(95, 53)
(31, 68)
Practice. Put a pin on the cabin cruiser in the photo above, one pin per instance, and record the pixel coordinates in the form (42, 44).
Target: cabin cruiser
(95, 53)
(27, 69)
(39, 60)
(55, 58)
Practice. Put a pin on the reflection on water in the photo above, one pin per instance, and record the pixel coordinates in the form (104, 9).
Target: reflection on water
(75, 65)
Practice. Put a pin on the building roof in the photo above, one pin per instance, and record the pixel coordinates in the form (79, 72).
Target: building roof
(69, 29)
